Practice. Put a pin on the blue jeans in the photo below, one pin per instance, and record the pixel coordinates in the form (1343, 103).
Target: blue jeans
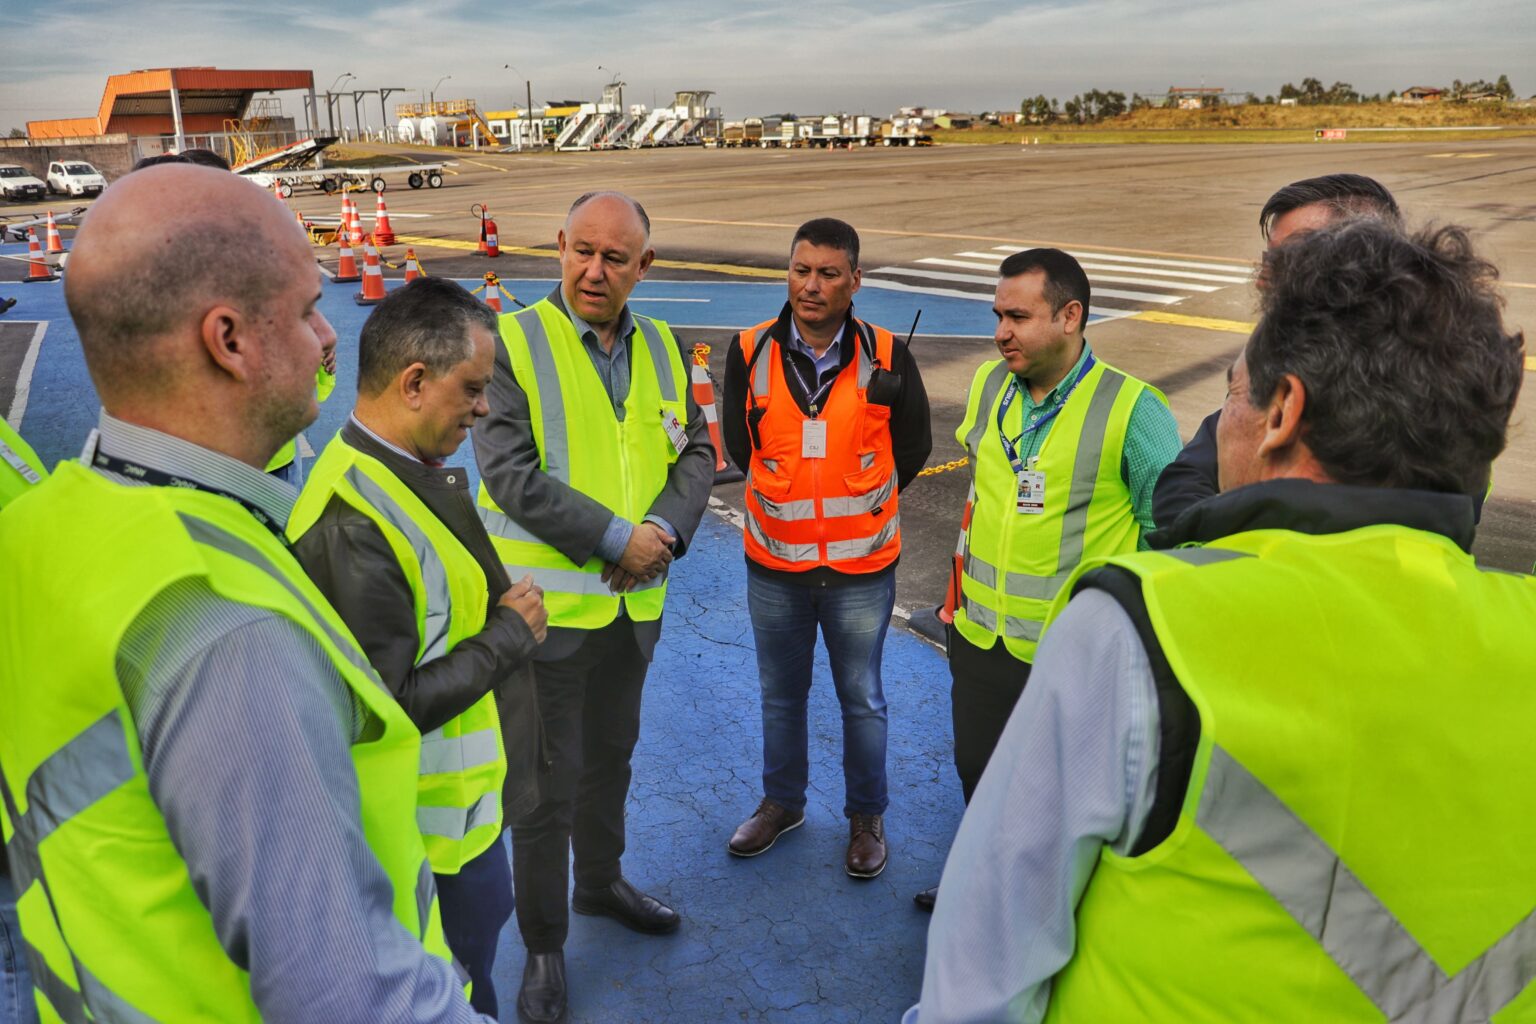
(853, 617)
(16, 1003)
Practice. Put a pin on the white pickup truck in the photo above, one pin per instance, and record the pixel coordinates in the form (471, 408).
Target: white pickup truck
(75, 178)
(17, 183)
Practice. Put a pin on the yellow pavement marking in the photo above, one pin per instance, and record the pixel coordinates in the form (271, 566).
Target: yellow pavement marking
(899, 234)
(1471, 156)
(1438, 156)
(1530, 362)
(518, 250)
(1516, 284)
(482, 163)
(1204, 323)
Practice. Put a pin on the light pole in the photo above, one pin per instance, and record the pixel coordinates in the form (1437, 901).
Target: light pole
(440, 81)
(528, 112)
(330, 101)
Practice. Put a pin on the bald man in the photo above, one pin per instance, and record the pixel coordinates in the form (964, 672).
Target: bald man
(226, 791)
(595, 469)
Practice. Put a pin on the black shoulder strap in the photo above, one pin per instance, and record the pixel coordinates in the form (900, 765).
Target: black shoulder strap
(1178, 719)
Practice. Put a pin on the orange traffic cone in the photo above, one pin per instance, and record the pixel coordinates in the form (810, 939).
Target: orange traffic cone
(55, 243)
(344, 226)
(37, 264)
(373, 277)
(492, 288)
(383, 234)
(356, 231)
(952, 590)
(346, 269)
(412, 266)
(704, 395)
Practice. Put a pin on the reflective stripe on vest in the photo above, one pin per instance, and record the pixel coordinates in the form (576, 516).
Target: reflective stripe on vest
(1353, 842)
(1006, 602)
(800, 512)
(621, 464)
(462, 761)
(20, 468)
(1362, 936)
(115, 930)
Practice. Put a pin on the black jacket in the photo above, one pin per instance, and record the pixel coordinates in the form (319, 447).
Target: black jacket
(1191, 478)
(911, 430)
(352, 564)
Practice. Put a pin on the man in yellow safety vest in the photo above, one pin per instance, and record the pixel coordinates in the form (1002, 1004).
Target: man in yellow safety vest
(596, 466)
(388, 532)
(1281, 770)
(209, 801)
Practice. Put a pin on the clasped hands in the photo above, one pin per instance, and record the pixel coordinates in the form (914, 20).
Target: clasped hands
(645, 557)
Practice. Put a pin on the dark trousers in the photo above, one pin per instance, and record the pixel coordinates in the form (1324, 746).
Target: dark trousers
(985, 686)
(475, 903)
(590, 704)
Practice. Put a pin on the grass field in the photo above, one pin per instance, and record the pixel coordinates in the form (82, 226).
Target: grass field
(1260, 123)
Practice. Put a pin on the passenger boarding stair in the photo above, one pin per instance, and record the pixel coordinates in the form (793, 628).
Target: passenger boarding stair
(642, 135)
(616, 135)
(591, 131)
(575, 124)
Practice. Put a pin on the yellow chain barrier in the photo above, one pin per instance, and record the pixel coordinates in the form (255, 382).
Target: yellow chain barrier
(962, 461)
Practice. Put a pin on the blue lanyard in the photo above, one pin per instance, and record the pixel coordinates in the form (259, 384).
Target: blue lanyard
(811, 398)
(1010, 448)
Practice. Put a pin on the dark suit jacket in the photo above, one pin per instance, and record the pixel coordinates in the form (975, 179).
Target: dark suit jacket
(565, 518)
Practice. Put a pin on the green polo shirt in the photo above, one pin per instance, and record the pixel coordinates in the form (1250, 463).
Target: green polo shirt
(1151, 439)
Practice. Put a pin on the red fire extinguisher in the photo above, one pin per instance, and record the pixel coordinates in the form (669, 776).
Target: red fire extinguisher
(489, 246)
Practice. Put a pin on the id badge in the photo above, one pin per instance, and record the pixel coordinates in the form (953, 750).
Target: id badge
(19, 464)
(676, 432)
(1031, 500)
(813, 439)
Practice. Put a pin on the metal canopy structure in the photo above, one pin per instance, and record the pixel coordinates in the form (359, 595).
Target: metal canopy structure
(175, 101)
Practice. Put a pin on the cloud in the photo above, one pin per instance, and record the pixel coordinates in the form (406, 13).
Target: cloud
(763, 57)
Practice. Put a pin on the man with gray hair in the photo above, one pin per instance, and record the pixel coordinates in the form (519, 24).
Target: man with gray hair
(1282, 771)
(389, 534)
(209, 800)
(595, 468)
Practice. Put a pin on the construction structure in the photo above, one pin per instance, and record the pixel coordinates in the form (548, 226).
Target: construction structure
(162, 109)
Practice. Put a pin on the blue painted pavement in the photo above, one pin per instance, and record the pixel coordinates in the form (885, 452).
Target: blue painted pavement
(785, 937)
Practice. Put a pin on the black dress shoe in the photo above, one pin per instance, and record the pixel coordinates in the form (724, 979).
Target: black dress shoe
(627, 905)
(542, 998)
(927, 898)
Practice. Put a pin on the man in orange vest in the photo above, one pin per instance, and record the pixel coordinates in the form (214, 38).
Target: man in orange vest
(829, 414)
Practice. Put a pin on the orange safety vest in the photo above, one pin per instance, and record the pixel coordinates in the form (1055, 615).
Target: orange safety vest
(839, 511)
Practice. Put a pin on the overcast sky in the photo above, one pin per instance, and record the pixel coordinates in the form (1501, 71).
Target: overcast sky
(763, 57)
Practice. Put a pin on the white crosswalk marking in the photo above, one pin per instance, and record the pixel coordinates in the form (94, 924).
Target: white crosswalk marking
(972, 274)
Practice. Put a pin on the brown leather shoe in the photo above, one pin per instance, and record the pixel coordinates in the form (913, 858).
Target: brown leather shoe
(760, 831)
(866, 846)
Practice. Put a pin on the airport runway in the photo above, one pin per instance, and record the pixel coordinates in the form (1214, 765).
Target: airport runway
(1167, 233)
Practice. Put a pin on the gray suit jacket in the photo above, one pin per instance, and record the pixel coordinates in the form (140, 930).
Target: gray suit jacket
(565, 518)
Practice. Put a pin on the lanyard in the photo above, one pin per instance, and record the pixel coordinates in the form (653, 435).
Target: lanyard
(155, 478)
(1010, 448)
(812, 399)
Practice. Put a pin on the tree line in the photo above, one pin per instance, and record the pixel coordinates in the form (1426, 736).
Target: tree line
(1097, 105)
